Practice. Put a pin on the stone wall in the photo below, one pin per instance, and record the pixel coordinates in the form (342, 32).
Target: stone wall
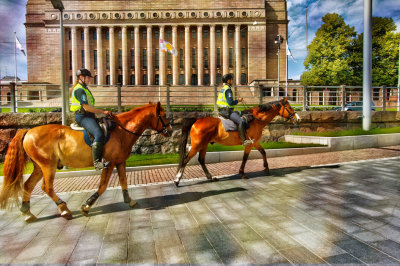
(311, 121)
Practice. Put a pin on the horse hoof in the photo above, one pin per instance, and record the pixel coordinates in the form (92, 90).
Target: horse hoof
(30, 219)
(132, 203)
(214, 179)
(244, 176)
(66, 215)
(176, 183)
(84, 210)
(266, 171)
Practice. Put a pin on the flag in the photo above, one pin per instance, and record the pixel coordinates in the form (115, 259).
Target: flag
(167, 47)
(289, 53)
(19, 45)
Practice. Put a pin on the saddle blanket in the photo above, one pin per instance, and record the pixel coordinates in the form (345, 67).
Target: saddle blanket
(229, 125)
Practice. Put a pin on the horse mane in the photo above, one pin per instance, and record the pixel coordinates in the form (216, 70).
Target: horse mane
(267, 106)
(134, 112)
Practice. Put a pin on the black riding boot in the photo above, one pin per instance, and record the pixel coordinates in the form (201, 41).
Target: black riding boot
(242, 134)
(97, 152)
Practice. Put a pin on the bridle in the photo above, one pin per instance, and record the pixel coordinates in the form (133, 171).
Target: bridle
(164, 129)
(287, 110)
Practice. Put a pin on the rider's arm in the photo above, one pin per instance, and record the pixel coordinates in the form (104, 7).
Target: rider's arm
(89, 108)
(81, 96)
(229, 97)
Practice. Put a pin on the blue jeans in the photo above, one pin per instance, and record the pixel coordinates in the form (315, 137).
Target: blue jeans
(235, 117)
(90, 124)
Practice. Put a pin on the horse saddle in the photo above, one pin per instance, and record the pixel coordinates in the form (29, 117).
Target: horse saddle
(229, 125)
(106, 124)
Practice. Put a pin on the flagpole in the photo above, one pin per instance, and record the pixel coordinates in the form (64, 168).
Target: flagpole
(398, 85)
(15, 77)
(287, 61)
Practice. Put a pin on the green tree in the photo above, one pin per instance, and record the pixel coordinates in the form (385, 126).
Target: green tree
(329, 59)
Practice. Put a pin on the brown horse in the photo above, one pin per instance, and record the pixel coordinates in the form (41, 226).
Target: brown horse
(53, 146)
(210, 129)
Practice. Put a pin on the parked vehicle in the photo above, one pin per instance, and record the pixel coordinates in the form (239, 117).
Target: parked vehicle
(355, 106)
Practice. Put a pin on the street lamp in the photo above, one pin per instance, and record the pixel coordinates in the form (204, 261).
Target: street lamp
(57, 4)
(278, 40)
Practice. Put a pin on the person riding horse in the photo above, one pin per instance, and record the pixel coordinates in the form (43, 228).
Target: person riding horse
(82, 103)
(226, 106)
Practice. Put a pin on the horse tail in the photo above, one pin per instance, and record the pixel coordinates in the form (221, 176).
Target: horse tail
(13, 169)
(186, 126)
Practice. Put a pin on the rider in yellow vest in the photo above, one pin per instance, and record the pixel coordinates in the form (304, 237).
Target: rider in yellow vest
(82, 103)
(226, 106)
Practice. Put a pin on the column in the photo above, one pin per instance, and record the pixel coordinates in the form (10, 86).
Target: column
(137, 56)
(187, 55)
(74, 53)
(213, 68)
(162, 59)
(238, 60)
(200, 59)
(124, 56)
(175, 73)
(112, 55)
(225, 48)
(86, 46)
(150, 75)
(99, 56)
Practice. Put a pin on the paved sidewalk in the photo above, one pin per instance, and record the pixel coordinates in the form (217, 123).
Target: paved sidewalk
(221, 169)
(344, 213)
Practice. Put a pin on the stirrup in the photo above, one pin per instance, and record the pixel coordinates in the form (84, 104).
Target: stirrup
(100, 165)
(248, 142)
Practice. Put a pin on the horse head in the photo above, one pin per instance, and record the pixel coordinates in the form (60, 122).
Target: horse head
(286, 111)
(263, 112)
(161, 123)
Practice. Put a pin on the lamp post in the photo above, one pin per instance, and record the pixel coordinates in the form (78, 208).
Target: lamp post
(278, 40)
(57, 4)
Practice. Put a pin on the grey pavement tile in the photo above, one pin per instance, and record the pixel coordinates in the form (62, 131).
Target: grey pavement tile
(34, 250)
(205, 256)
(184, 221)
(259, 223)
(142, 253)
(279, 239)
(243, 232)
(301, 255)
(166, 236)
(141, 235)
(85, 251)
(194, 240)
(389, 247)
(59, 252)
(113, 252)
(171, 254)
(368, 236)
(262, 253)
(344, 258)
(163, 224)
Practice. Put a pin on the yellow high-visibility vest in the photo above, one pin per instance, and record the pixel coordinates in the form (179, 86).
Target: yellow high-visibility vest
(75, 104)
(221, 101)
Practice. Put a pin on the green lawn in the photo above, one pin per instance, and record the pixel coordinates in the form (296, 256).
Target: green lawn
(355, 132)
(156, 159)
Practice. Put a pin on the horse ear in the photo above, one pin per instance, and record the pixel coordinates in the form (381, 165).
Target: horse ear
(150, 102)
(158, 106)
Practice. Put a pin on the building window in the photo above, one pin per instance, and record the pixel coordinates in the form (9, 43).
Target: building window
(95, 79)
(94, 35)
(95, 58)
(82, 35)
(156, 55)
(169, 79)
(119, 59)
(108, 80)
(83, 58)
(205, 33)
(107, 35)
(70, 59)
(69, 35)
(243, 57)
(218, 33)
(181, 34)
(119, 79)
(132, 79)
(132, 58)
(181, 79)
(119, 35)
(181, 58)
(218, 57)
(144, 79)
(144, 32)
(156, 34)
(243, 32)
(70, 79)
(194, 80)
(144, 59)
(230, 57)
(193, 57)
(193, 34)
(132, 34)
(169, 34)
(107, 59)
(243, 78)
(230, 33)
(219, 79)
(169, 60)
(205, 57)
(156, 79)
(206, 79)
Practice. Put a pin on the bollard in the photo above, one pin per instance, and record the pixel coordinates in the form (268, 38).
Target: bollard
(119, 97)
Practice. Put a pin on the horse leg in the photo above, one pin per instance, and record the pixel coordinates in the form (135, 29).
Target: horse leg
(47, 186)
(124, 185)
(264, 155)
(105, 177)
(191, 154)
(202, 161)
(29, 185)
(247, 150)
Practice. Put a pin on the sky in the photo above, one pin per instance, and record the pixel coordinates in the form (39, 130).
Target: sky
(12, 17)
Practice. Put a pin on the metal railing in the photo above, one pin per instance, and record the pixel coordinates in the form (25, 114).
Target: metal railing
(47, 97)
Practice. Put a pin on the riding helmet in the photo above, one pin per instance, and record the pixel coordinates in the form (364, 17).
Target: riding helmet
(83, 72)
(227, 77)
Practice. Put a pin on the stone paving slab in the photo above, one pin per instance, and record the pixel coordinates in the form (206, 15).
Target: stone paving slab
(341, 213)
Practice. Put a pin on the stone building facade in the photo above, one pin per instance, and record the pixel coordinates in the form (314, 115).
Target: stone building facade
(119, 41)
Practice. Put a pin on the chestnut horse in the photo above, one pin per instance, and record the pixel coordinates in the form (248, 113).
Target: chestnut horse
(53, 146)
(211, 129)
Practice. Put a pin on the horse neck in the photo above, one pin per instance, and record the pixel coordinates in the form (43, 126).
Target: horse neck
(270, 115)
(136, 121)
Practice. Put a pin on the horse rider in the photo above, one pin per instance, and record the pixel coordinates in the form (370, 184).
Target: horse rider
(82, 103)
(226, 105)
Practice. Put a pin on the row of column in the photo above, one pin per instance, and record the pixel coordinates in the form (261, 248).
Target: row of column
(162, 68)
